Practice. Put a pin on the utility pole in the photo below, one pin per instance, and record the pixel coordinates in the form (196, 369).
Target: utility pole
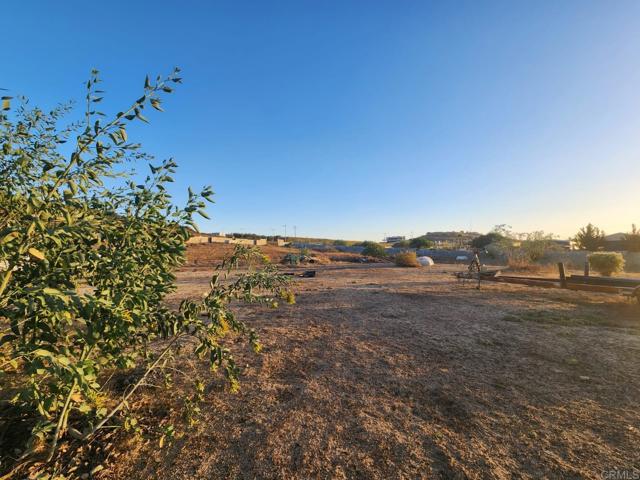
(295, 232)
(285, 232)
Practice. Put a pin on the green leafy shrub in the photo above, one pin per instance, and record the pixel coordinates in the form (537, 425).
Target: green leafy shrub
(406, 259)
(523, 248)
(535, 244)
(373, 249)
(88, 259)
(483, 241)
(340, 243)
(420, 242)
(606, 263)
(402, 244)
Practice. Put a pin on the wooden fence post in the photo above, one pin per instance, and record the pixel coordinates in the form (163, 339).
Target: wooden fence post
(563, 277)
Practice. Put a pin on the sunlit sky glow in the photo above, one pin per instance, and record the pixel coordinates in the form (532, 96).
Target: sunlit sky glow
(352, 119)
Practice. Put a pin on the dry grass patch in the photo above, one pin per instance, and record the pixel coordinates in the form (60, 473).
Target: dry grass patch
(407, 259)
(523, 266)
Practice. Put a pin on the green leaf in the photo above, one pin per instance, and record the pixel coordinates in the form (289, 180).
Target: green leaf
(51, 291)
(9, 237)
(155, 103)
(41, 352)
(36, 254)
(62, 360)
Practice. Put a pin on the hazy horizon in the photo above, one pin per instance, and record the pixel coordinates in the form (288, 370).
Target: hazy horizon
(359, 119)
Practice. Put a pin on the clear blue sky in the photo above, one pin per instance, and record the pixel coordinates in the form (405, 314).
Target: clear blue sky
(351, 119)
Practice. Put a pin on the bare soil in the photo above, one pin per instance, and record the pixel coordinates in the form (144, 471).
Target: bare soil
(384, 372)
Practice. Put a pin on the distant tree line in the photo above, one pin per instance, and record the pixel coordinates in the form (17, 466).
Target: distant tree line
(589, 237)
(592, 238)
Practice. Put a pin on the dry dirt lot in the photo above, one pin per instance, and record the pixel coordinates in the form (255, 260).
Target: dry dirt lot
(381, 372)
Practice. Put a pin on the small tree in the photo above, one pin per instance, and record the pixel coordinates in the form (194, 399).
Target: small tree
(86, 263)
(483, 241)
(590, 238)
(606, 263)
(373, 249)
(420, 242)
(520, 248)
(633, 239)
(535, 245)
(340, 243)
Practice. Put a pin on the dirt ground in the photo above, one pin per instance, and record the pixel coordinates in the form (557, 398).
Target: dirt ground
(382, 372)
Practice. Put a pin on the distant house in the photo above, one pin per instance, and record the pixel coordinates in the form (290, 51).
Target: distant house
(451, 239)
(615, 242)
(199, 238)
(563, 244)
(396, 239)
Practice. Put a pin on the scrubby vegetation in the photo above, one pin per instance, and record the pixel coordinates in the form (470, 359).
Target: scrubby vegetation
(417, 243)
(590, 238)
(632, 239)
(420, 242)
(373, 249)
(406, 259)
(606, 263)
(523, 265)
(519, 249)
(86, 259)
(483, 241)
(402, 244)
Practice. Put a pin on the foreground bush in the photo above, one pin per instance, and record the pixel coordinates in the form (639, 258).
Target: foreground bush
(373, 249)
(407, 259)
(87, 262)
(606, 263)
